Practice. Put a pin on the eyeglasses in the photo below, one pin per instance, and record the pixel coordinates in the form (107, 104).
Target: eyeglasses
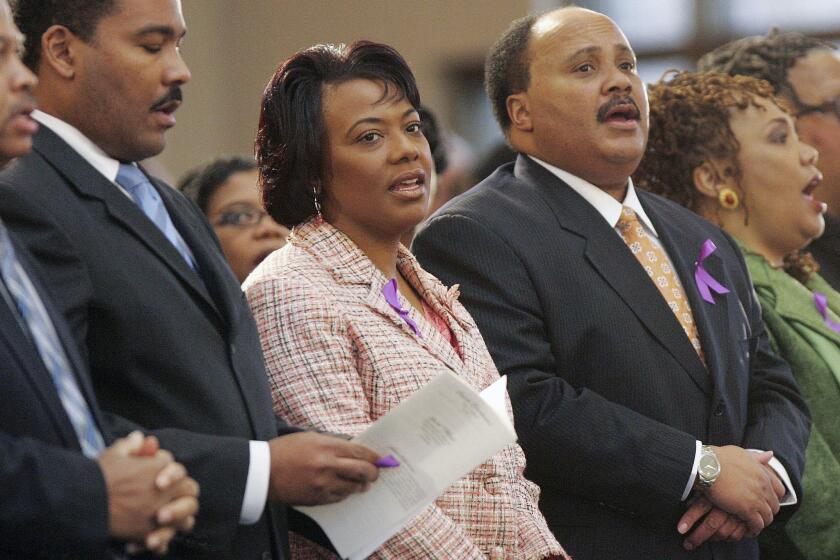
(241, 217)
(827, 108)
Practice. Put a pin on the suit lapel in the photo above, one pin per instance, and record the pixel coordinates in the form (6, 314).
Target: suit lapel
(85, 179)
(614, 262)
(68, 343)
(431, 340)
(350, 267)
(440, 302)
(211, 266)
(683, 246)
(793, 301)
(32, 367)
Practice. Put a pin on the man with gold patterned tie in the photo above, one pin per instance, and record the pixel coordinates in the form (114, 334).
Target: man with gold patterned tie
(648, 403)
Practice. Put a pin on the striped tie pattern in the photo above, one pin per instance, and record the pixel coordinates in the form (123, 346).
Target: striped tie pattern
(43, 335)
(653, 259)
(147, 198)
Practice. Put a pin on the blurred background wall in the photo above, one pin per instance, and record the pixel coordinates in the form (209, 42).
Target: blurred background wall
(233, 46)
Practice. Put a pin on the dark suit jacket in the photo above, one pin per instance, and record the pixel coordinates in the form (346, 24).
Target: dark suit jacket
(169, 351)
(53, 501)
(608, 394)
(826, 249)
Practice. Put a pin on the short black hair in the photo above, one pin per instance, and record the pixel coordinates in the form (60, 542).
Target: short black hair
(766, 57)
(201, 183)
(34, 17)
(291, 143)
(506, 69)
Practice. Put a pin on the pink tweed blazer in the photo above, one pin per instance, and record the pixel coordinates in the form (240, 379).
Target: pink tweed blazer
(339, 357)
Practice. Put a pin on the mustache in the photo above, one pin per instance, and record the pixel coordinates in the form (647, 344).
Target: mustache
(174, 94)
(614, 102)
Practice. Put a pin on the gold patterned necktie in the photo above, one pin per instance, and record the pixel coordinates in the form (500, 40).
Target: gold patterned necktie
(653, 259)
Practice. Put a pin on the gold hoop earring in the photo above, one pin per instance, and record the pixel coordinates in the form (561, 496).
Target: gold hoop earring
(728, 199)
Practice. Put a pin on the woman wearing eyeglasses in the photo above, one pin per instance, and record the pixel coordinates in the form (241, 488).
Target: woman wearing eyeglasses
(226, 191)
(727, 149)
(350, 324)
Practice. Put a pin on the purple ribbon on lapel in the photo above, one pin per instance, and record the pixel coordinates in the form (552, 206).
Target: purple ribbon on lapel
(705, 282)
(821, 301)
(389, 290)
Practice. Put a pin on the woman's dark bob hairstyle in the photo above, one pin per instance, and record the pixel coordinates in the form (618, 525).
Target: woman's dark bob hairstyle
(291, 145)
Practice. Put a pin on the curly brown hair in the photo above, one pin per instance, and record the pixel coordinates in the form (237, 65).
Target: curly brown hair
(689, 125)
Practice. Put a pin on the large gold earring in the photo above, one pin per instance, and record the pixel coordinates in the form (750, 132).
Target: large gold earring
(728, 199)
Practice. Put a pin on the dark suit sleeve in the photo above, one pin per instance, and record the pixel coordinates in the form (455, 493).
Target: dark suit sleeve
(53, 502)
(574, 439)
(778, 418)
(54, 258)
(218, 464)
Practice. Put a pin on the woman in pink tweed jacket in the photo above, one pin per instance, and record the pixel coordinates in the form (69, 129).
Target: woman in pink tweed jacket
(350, 324)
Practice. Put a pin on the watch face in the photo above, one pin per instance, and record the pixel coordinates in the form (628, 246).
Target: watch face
(708, 466)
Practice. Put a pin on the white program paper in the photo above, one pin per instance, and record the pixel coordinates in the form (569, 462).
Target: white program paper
(438, 435)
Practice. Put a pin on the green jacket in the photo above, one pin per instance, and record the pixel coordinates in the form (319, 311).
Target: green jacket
(799, 334)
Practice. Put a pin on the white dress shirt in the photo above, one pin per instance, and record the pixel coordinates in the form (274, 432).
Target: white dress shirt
(256, 485)
(610, 209)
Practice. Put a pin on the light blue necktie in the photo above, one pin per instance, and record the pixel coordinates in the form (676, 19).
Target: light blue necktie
(42, 333)
(148, 199)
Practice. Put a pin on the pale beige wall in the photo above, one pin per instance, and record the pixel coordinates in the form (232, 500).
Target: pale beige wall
(233, 46)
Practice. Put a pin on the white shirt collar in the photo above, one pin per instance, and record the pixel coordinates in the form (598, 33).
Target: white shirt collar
(91, 153)
(605, 204)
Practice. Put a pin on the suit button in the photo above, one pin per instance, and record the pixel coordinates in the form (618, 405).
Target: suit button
(492, 489)
(266, 555)
(232, 350)
(719, 409)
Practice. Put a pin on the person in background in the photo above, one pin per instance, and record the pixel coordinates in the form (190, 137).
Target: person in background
(458, 175)
(436, 137)
(805, 72)
(69, 490)
(636, 398)
(440, 159)
(726, 148)
(350, 324)
(227, 192)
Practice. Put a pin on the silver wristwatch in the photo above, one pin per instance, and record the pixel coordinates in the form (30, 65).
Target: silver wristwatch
(708, 469)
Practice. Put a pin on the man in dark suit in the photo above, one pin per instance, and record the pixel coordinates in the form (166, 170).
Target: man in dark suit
(635, 397)
(143, 283)
(65, 494)
(805, 71)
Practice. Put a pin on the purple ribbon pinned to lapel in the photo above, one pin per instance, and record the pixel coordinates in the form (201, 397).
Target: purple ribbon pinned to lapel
(821, 301)
(389, 290)
(705, 282)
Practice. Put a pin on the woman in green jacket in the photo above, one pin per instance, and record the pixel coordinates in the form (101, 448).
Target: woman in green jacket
(724, 147)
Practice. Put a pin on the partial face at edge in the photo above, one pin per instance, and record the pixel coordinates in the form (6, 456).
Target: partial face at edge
(16, 83)
(816, 80)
